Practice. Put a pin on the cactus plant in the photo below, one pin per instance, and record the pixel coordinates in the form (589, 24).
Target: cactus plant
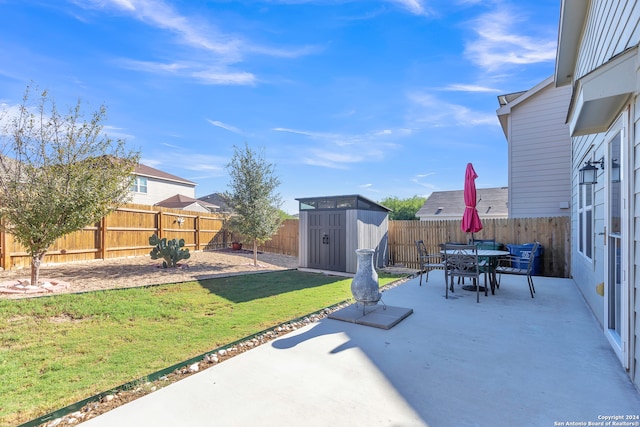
(169, 250)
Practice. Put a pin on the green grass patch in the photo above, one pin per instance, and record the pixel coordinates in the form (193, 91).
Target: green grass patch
(58, 350)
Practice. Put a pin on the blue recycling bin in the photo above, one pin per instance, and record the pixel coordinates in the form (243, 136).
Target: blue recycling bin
(524, 252)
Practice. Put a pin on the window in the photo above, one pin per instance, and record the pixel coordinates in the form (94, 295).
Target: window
(585, 220)
(139, 185)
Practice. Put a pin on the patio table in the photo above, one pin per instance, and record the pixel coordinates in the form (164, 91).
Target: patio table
(492, 255)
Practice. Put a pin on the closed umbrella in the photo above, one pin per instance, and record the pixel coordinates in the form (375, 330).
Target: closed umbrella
(470, 220)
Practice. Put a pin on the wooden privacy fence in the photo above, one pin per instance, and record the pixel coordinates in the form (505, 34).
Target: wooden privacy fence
(285, 241)
(125, 233)
(554, 233)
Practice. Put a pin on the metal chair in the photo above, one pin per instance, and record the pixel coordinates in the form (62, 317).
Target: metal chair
(427, 261)
(462, 261)
(485, 262)
(523, 266)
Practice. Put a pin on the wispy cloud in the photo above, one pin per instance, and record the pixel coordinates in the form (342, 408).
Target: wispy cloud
(287, 130)
(500, 43)
(225, 126)
(432, 111)
(213, 75)
(471, 88)
(416, 7)
(211, 50)
(419, 180)
(339, 151)
(200, 166)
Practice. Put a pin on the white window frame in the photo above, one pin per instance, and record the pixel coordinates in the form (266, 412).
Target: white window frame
(140, 185)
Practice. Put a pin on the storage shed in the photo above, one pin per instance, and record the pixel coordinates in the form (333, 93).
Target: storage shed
(333, 227)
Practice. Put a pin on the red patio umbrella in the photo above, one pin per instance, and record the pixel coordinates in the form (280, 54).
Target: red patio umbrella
(470, 220)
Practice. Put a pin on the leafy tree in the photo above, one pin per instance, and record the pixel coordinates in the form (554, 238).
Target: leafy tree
(58, 173)
(284, 215)
(403, 208)
(252, 197)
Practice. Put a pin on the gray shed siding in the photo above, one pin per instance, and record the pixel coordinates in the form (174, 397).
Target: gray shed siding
(367, 230)
(364, 225)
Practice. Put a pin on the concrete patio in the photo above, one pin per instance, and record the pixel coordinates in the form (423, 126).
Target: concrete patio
(508, 361)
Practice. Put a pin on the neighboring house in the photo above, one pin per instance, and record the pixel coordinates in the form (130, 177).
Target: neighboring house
(187, 203)
(443, 205)
(539, 150)
(151, 186)
(598, 58)
(217, 200)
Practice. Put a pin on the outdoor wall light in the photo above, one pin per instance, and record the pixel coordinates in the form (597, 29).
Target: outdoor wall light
(589, 173)
(180, 221)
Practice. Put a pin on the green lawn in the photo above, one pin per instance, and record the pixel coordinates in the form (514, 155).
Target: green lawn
(58, 350)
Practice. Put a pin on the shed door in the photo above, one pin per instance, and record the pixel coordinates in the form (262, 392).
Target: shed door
(327, 240)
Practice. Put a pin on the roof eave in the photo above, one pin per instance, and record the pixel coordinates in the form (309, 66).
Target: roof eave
(572, 19)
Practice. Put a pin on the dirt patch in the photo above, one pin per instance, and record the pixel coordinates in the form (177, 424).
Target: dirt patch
(143, 271)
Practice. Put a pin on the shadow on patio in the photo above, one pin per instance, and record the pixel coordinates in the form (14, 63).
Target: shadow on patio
(509, 360)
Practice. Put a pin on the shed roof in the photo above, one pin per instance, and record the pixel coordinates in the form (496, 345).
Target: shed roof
(349, 201)
(492, 203)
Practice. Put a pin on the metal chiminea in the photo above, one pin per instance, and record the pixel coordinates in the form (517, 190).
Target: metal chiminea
(364, 287)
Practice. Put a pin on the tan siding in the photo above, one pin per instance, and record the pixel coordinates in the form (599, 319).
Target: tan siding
(540, 155)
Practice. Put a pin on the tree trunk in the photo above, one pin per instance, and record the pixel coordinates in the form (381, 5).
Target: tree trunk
(255, 253)
(36, 260)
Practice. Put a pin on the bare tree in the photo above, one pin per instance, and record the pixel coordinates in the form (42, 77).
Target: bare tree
(58, 173)
(253, 197)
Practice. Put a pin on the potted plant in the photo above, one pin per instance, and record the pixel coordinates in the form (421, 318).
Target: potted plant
(236, 246)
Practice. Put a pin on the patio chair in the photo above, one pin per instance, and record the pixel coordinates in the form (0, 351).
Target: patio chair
(427, 261)
(512, 264)
(442, 245)
(485, 262)
(462, 261)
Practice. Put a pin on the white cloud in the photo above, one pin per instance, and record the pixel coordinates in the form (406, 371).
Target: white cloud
(471, 88)
(161, 15)
(212, 76)
(225, 126)
(224, 78)
(205, 166)
(414, 6)
(435, 112)
(338, 151)
(499, 43)
(210, 50)
(298, 132)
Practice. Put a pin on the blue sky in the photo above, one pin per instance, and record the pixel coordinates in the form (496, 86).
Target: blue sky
(388, 98)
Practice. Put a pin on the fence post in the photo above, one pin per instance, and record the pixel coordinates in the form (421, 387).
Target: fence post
(6, 256)
(103, 237)
(197, 232)
(159, 224)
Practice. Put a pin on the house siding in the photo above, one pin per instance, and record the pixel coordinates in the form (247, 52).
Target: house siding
(540, 155)
(159, 190)
(635, 245)
(610, 27)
